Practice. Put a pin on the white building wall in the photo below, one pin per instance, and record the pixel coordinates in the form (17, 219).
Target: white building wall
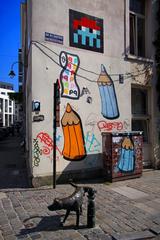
(9, 111)
(53, 17)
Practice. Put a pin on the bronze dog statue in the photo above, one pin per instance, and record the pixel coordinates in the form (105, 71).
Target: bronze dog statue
(71, 203)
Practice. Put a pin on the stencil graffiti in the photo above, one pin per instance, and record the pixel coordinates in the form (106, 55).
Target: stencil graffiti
(89, 100)
(85, 91)
(105, 126)
(85, 31)
(91, 143)
(36, 153)
(74, 146)
(91, 121)
(70, 64)
(108, 95)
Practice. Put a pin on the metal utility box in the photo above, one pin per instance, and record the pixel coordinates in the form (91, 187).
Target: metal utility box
(122, 155)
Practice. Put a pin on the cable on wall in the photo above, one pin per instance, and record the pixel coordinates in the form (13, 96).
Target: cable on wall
(126, 76)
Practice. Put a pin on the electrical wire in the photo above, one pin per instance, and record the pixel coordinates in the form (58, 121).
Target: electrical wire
(126, 76)
(78, 75)
(97, 74)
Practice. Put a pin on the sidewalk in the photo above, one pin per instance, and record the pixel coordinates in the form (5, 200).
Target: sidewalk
(126, 210)
(12, 164)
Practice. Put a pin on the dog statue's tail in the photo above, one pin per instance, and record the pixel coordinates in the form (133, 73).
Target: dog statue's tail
(73, 184)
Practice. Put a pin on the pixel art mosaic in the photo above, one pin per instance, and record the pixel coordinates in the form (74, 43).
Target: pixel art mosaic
(85, 31)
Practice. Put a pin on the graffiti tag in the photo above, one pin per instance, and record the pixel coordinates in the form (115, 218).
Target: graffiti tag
(47, 140)
(91, 142)
(45, 149)
(37, 153)
(105, 126)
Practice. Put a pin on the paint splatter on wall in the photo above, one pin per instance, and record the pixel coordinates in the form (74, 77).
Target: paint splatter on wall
(70, 64)
(85, 31)
(74, 145)
(108, 95)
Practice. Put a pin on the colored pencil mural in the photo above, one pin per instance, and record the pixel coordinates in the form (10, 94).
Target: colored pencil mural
(70, 64)
(74, 145)
(126, 161)
(108, 95)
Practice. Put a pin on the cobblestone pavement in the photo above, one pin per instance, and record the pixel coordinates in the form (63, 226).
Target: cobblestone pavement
(12, 163)
(125, 210)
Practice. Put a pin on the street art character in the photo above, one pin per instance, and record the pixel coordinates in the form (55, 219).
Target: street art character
(74, 145)
(108, 95)
(70, 64)
(85, 31)
(126, 161)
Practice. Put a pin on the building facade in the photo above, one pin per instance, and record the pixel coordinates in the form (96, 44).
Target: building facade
(7, 107)
(101, 55)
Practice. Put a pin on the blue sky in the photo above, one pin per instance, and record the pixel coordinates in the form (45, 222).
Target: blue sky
(9, 39)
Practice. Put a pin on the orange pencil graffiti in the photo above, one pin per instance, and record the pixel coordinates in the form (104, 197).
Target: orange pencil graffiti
(74, 146)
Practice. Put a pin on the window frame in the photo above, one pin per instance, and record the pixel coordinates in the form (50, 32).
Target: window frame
(148, 31)
(137, 16)
(143, 117)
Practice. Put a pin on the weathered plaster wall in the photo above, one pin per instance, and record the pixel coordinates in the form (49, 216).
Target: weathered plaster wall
(52, 16)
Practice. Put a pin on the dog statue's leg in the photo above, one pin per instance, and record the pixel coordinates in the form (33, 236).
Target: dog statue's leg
(67, 213)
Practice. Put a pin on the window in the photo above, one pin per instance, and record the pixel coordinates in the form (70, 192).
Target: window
(141, 125)
(139, 101)
(1, 105)
(6, 105)
(140, 117)
(6, 120)
(137, 27)
(10, 120)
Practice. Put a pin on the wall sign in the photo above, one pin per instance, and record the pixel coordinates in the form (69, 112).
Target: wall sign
(53, 38)
(85, 31)
(38, 118)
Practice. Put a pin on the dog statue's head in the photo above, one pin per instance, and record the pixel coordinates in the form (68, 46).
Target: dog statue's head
(56, 205)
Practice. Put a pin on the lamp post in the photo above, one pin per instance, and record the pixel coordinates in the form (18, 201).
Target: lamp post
(12, 73)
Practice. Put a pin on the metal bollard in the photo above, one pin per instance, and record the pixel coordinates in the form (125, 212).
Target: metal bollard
(91, 208)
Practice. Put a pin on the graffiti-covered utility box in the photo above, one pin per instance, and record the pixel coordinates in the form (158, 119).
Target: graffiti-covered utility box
(122, 155)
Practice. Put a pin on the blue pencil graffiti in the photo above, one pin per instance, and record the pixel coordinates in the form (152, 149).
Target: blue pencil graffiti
(126, 161)
(108, 95)
(91, 143)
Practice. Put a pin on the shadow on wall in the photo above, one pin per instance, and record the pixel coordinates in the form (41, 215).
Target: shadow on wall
(92, 172)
